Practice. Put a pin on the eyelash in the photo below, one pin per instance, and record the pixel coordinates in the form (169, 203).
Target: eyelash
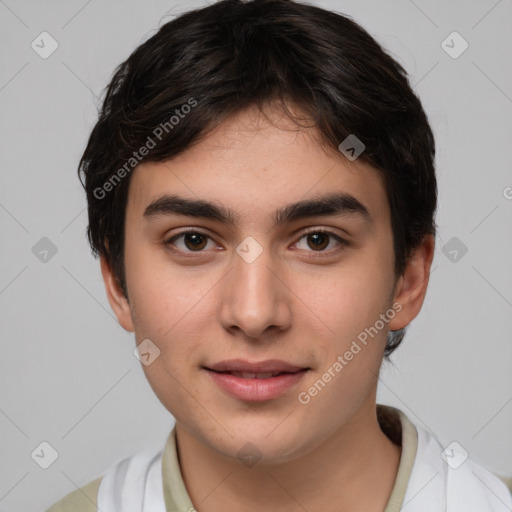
(341, 241)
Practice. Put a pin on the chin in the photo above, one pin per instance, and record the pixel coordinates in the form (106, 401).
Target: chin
(262, 442)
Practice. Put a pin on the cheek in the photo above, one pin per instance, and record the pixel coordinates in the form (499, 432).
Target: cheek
(163, 299)
(349, 300)
(350, 350)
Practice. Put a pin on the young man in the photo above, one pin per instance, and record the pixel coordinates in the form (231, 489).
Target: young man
(261, 193)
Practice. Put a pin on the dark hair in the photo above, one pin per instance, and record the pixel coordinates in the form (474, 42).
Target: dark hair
(209, 63)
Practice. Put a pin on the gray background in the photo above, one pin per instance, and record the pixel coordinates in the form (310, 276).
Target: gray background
(67, 372)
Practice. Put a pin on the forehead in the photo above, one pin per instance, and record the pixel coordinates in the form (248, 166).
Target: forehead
(255, 165)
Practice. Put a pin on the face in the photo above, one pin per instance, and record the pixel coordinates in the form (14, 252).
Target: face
(229, 277)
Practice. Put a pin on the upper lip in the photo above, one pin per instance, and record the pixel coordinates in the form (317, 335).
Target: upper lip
(269, 365)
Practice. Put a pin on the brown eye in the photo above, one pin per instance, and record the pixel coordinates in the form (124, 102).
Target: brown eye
(194, 241)
(318, 241)
(189, 241)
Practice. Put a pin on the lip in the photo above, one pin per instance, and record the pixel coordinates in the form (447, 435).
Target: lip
(250, 388)
(241, 365)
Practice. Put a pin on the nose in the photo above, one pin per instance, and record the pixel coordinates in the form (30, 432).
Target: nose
(255, 297)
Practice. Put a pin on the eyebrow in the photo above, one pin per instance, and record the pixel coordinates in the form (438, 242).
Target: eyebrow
(333, 205)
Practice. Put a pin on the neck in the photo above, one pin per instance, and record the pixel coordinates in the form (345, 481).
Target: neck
(353, 469)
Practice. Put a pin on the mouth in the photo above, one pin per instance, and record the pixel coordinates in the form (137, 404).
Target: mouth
(255, 382)
(253, 375)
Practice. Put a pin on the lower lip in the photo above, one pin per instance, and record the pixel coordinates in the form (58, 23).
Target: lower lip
(256, 390)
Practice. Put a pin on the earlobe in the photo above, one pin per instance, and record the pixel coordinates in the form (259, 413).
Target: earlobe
(116, 298)
(411, 287)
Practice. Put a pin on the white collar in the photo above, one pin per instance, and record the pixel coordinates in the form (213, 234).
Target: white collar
(436, 486)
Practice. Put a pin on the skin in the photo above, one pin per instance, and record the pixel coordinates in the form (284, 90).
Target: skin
(294, 303)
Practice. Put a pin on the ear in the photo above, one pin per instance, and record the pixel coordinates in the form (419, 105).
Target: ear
(118, 302)
(411, 287)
